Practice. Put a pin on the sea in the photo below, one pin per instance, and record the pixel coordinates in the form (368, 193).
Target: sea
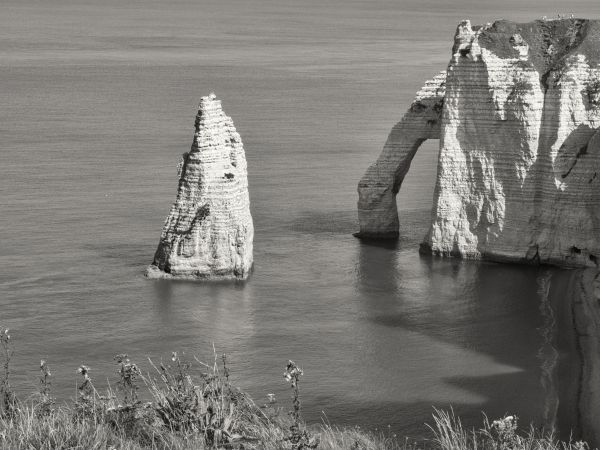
(97, 104)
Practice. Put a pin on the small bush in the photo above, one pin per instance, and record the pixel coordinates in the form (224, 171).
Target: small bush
(501, 434)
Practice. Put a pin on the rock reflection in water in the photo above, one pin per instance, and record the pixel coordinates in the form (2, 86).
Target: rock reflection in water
(582, 382)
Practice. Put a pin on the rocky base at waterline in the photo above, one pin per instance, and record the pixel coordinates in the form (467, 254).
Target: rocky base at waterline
(517, 113)
(209, 231)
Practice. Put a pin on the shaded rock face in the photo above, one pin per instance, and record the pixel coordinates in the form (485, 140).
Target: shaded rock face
(519, 150)
(209, 231)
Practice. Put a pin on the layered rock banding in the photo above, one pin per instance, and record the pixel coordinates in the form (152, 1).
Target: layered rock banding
(209, 231)
(519, 147)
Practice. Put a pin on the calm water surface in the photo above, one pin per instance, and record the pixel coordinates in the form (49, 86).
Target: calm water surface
(98, 102)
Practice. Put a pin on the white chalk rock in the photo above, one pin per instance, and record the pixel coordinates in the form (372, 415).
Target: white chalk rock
(519, 151)
(209, 232)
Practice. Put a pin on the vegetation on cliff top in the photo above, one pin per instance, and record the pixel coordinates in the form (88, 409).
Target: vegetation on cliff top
(195, 406)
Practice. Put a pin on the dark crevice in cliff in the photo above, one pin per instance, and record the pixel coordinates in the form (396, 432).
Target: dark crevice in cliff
(533, 254)
(185, 222)
(559, 39)
(582, 151)
(549, 41)
(182, 167)
(593, 177)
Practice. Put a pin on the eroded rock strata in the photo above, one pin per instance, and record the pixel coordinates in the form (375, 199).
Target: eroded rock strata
(518, 164)
(209, 232)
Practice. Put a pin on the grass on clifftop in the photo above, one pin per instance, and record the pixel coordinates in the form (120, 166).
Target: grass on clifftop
(194, 406)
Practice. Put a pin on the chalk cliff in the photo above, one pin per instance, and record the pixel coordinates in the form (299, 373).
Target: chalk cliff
(517, 120)
(209, 232)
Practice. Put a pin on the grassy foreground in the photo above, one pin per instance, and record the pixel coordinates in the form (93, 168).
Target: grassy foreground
(194, 406)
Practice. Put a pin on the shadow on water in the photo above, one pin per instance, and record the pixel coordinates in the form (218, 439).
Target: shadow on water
(163, 290)
(166, 290)
(519, 316)
(376, 267)
(477, 336)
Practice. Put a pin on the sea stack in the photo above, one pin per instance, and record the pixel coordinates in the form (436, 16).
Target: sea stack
(209, 232)
(518, 174)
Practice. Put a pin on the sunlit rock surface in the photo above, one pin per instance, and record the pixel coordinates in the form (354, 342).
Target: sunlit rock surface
(518, 165)
(209, 232)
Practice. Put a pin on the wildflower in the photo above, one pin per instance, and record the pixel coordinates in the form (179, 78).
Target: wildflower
(4, 336)
(44, 368)
(174, 357)
(292, 373)
(505, 424)
(122, 358)
(84, 371)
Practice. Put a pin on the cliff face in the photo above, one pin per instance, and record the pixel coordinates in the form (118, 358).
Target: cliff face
(209, 230)
(517, 172)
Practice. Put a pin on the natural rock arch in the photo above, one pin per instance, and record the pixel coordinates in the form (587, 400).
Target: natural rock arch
(518, 118)
(377, 190)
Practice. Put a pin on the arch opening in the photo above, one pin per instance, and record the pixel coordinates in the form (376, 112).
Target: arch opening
(378, 188)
